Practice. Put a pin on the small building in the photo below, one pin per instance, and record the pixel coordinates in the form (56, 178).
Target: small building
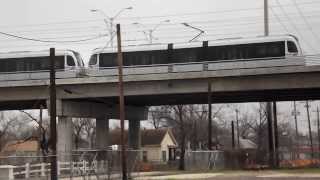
(22, 149)
(157, 145)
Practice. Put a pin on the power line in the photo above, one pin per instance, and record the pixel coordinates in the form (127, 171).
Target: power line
(49, 41)
(293, 24)
(305, 20)
(279, 20)
(148, 17)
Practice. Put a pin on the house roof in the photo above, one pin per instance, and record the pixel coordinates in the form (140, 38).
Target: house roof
(148, 136)
(22, 146)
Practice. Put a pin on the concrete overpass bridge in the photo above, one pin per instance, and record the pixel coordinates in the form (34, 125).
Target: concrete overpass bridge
(95, 95)
(229, 85)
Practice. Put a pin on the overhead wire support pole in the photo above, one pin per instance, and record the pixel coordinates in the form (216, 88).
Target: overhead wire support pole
(111, 21)
(53, 114)
(121, 105)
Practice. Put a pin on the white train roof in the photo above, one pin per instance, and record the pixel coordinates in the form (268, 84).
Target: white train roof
(20, 54)
(217, 42)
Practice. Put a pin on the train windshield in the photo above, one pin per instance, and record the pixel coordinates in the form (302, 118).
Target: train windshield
(79, 59)
(292, 48)
(93, 60)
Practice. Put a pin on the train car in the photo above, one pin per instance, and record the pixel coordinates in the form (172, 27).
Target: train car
(234, 53)
(33, 65)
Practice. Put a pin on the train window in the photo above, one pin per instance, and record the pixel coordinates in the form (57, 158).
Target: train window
(2, 66)
(292, 48)
(93, 59)
(35, 63)
(108, 60)
(145, 58)
(276, 49)
(159, 57)
(70, 61)
(44, 65)
(261, 51)
(11, 65)
(59, 62)
(20, 65)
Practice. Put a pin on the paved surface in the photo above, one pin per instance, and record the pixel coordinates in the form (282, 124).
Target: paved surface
(242, 175)
(235, 176)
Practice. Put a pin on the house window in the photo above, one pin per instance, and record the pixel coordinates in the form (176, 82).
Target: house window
(145, 156)
(164, 155)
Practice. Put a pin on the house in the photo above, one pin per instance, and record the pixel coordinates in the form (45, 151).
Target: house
(20, 148)
(157, 145)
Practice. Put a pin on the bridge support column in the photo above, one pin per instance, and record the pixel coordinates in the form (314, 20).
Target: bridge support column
(102, 133)
(134, 143)
(134, 137)
(65, 139)
(102, 143)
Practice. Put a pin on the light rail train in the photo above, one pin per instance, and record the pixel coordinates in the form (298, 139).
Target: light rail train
(224, 54)
(25, 65)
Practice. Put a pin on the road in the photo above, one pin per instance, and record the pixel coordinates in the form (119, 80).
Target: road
(248, 175)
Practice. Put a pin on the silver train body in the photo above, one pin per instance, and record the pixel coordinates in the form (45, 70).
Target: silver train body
(34, 65)
(229, 54)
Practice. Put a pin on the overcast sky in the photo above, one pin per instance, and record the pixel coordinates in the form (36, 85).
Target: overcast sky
(61, 20)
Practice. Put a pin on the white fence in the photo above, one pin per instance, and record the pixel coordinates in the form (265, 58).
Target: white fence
(105, 163)
(43, 169)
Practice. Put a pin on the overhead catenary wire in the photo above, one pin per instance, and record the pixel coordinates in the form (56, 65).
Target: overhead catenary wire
(305, 20)
(279, 20)
(49, 41)
(294, 25)
(147, 17)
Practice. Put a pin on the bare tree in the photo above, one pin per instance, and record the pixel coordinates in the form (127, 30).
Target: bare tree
(43, 128)
(5, 126)
(84, 128)
(158, 116)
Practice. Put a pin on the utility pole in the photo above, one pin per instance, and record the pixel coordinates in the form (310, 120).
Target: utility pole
(238, 131)
(269, 105)
(53, 114)
(295, 113)
(232, 135)
(209, 117)
(309, 127)
(318, 128)
(276, 139)
(40, 133)
(121, 105)
(270, 135)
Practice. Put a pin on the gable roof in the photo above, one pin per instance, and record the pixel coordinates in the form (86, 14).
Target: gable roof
(148, 136)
